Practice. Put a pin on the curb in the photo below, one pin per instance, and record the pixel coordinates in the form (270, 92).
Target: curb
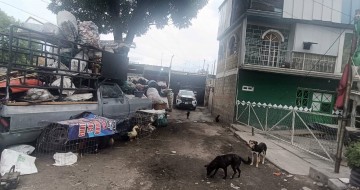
(317, 174)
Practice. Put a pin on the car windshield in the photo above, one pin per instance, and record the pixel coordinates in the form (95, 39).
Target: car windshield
(186, 93)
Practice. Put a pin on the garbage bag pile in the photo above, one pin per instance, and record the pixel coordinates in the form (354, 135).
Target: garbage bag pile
(149, 88)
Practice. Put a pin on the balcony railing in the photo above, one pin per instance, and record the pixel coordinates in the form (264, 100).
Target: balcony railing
(255, 55)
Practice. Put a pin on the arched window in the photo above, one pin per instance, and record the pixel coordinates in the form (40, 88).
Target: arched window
(232, 45)
(270, 48)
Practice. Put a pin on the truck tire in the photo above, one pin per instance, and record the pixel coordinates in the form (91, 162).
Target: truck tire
(355, 177)
(53, 138)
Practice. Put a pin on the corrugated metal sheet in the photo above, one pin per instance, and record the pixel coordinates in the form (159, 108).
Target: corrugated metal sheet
(321, 10)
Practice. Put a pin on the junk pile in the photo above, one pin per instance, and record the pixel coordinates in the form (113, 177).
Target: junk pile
(144, 88)
(15, 161)
(70, 55)
(146, 121)
(81, 133)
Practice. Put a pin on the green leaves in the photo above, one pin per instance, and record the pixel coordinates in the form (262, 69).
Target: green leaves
(5, 21)
(127, 18)
(353, 155)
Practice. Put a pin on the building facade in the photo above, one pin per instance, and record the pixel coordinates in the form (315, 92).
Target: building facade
(288, 52)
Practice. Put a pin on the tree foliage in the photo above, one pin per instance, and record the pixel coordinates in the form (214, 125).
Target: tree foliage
(127, 18)
(5, 21)
(19, 53)
(353, 155)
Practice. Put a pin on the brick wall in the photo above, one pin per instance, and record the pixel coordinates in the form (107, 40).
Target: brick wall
(224, 98)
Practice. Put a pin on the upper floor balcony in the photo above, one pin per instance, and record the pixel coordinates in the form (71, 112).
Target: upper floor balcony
(274, 59)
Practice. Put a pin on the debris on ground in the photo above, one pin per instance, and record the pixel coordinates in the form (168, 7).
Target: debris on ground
(278, 173)
(285, 180)
(234, 186)
(345, 180)
(24, 163)
(289, 175)
(65, 159)
(319, 184)
(10, 180)
(306, 188)
(173, 152)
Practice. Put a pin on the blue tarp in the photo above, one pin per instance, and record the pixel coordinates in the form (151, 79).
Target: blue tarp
(90, 125)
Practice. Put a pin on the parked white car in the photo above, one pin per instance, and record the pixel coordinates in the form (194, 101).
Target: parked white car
(186, 99)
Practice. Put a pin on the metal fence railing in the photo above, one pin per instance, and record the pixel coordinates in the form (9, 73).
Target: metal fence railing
(313, 132)
(279, 57)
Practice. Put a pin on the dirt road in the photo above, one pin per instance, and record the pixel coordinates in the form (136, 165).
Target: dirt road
(149, 163)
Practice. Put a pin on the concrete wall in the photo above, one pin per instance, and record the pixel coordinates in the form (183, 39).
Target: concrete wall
(224, 95)
(224, 98)
(225, 15)
(323, 36)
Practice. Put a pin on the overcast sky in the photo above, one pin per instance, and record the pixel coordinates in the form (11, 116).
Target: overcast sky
(189, 46)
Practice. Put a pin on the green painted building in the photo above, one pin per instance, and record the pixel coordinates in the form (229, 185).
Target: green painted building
(273, 53)
(290, 90)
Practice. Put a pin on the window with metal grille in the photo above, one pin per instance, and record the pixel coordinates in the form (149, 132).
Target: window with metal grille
(317, 100)
(270, 49)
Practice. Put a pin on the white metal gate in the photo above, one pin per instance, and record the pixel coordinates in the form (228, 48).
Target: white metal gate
(310, 131)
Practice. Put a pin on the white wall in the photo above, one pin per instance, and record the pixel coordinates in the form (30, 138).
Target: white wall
(322, 10)
(225, 16)
(324, 36)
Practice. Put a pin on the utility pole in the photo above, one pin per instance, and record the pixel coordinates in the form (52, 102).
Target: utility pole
(345, 114)
(207, 69)
(214, 67)
(161, 58)
(170, 69)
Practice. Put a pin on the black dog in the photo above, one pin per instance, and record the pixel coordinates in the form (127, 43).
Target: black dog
(258, 149)
(187, 114)
(217, 119)
(223, 162)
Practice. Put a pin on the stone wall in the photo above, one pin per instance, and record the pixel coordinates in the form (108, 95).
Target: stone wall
(224, 98)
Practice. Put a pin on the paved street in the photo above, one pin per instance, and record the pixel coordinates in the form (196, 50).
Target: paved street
(149, 163)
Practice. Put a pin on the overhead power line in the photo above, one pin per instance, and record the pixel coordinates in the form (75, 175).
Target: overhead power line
(22, 10)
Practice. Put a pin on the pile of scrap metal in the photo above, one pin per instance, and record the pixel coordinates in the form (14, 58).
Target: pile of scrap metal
(62, 58)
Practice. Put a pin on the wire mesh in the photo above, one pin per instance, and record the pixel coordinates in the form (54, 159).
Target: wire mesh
(145, 123)
(54, 138)
(310, 131)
